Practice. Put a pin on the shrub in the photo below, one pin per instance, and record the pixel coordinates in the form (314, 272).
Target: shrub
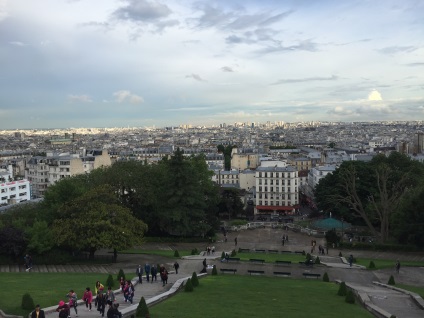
(194, 280)
(142, 309)
(222, 255)
(342, 289)
(188, 286)
(214, 271)
(27, 302)
(176, 254)
(350, 298)
(340, 254)
(233, 253)
(120, 274)
(303, 253)
(308, 258)
(317, 260)
(325, 278)
(371, 265)
(391, 280)
(392, 316)
(194, 251)
(109, 281)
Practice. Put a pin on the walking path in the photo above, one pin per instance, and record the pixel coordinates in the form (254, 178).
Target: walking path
(264, 238)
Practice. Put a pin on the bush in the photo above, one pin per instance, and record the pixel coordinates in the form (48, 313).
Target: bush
(109, 281)
(194, 280)
(194, 251)
(342, 289)
(214, 271)
(317, 260)
(176, 254)
(325, 278)
(120, 274)
(371, 265)
(340, 254)
(27, 302)
(233, 253)
(222, 255)
(350, 298)
(308, 258)
(142, 309)
(303, 253)
(391, 280)
(188, 286)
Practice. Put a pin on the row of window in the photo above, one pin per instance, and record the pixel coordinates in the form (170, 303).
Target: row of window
(13, 196)
(276, 182)
(276, 203)
(277, 174)
(277, 189)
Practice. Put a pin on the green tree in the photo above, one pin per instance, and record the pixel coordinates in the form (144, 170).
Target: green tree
(371, 191)
(231, 202)
(12, 242)
(188, 287)
(41, 238)
(97, 220)
(142, 309)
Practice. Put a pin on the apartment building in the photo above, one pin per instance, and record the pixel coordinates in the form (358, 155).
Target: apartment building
(277, 189)
(243, 161)
(42, 172)
(12, 191)
(317, 173)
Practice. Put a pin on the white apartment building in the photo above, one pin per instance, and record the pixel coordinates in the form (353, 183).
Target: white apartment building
(247, 179)
(317, 173)
(12, 191)
(277, 189)
(227, 177)
(42, 172)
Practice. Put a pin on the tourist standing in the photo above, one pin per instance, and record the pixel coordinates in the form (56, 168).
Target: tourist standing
(147, 271)
(176, 266)
(88, 298)
(397, 266)
(38, 312)
(139, 273)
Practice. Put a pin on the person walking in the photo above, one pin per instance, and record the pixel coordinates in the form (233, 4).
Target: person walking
(139, 273)
(72, 296)
(88, 298)
(397, 266)
(235, 241)
(63, 309)
(38, 312)
(350, 260)
(176, 267)
(101, 303)
(28, 262)
(147, 270)
(154, 273)
(110, 296)
(164, 277)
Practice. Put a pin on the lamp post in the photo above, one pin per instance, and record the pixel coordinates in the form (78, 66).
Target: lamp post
(342, 229)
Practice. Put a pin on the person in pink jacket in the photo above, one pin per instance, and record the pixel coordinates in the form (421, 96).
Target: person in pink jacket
(88, 298)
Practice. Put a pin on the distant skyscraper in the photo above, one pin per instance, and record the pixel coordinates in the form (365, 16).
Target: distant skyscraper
(418, 142)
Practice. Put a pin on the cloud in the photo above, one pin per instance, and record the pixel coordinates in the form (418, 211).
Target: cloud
(142, 11)
(211, 16)
(79, 98)
(307, 79)
(251, 37)
(374, 95)
(306, 45)
(227, 69)
(3, 10)
(17, 43)
(124, 96)
(196, 77)
(416, 64)
(98, 25)
(397, 49)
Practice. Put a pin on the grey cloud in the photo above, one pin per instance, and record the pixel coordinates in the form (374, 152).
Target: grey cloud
(142, 11)
(251, 37)
(196, 77)
(276, 18)
(212, 16)
(308, 79)
(99, 25)
(397, 49)
(234, 39)
(227, 69)
(162, 25)
(17, 43)
(306, 45)
(416, 64)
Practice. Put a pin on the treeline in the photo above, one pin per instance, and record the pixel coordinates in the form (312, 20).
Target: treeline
(116, 207)
(385, 194)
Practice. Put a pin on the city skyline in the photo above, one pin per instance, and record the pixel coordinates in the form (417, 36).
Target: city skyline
(79, 63)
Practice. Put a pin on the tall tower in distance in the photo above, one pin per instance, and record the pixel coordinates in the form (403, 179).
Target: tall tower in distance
(418, 142)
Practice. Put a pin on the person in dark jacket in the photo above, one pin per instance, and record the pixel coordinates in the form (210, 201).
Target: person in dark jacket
(38, 312)
(147, 271)
(139, 273)
(101, 303)
(154, 272)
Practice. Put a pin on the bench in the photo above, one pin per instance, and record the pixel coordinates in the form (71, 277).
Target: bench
(282, 262)
(311, 264)
(250, 271)
(306, 275)
(299, 252)
(287, 252)
(233, 259)
(273, 251)
(255, 260)
(246, 250)
(286, 274)
(228, 270)
(260, 251)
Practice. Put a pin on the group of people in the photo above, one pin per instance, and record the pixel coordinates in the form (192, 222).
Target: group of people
(151, 272)
(284, 239)
(210, 250)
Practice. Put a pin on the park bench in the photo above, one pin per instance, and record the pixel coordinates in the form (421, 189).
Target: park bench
(255, 260)
(306, 275)
(228, 270)
(309, 264)
(260, 251)
(285, 274)
(245, 250)
(282, 262)
(273, 251)
(289, 252)
(233, 259)
(255, 272)
(299, 252)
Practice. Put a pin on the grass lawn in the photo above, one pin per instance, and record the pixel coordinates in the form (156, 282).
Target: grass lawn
(385, 263)
(415, 289)
(46, 289)
(244, 296)
(166, 253)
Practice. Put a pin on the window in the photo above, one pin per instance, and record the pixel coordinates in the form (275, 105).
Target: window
(13, 196)
(13, 189)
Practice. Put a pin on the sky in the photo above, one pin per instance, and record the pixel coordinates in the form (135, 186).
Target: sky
(144, 63)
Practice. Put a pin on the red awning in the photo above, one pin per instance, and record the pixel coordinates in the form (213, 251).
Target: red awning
(275, 207)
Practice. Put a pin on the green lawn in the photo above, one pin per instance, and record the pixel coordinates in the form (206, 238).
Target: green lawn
(166, 253)
(385, 263)
(46, 289)
(245, 296)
